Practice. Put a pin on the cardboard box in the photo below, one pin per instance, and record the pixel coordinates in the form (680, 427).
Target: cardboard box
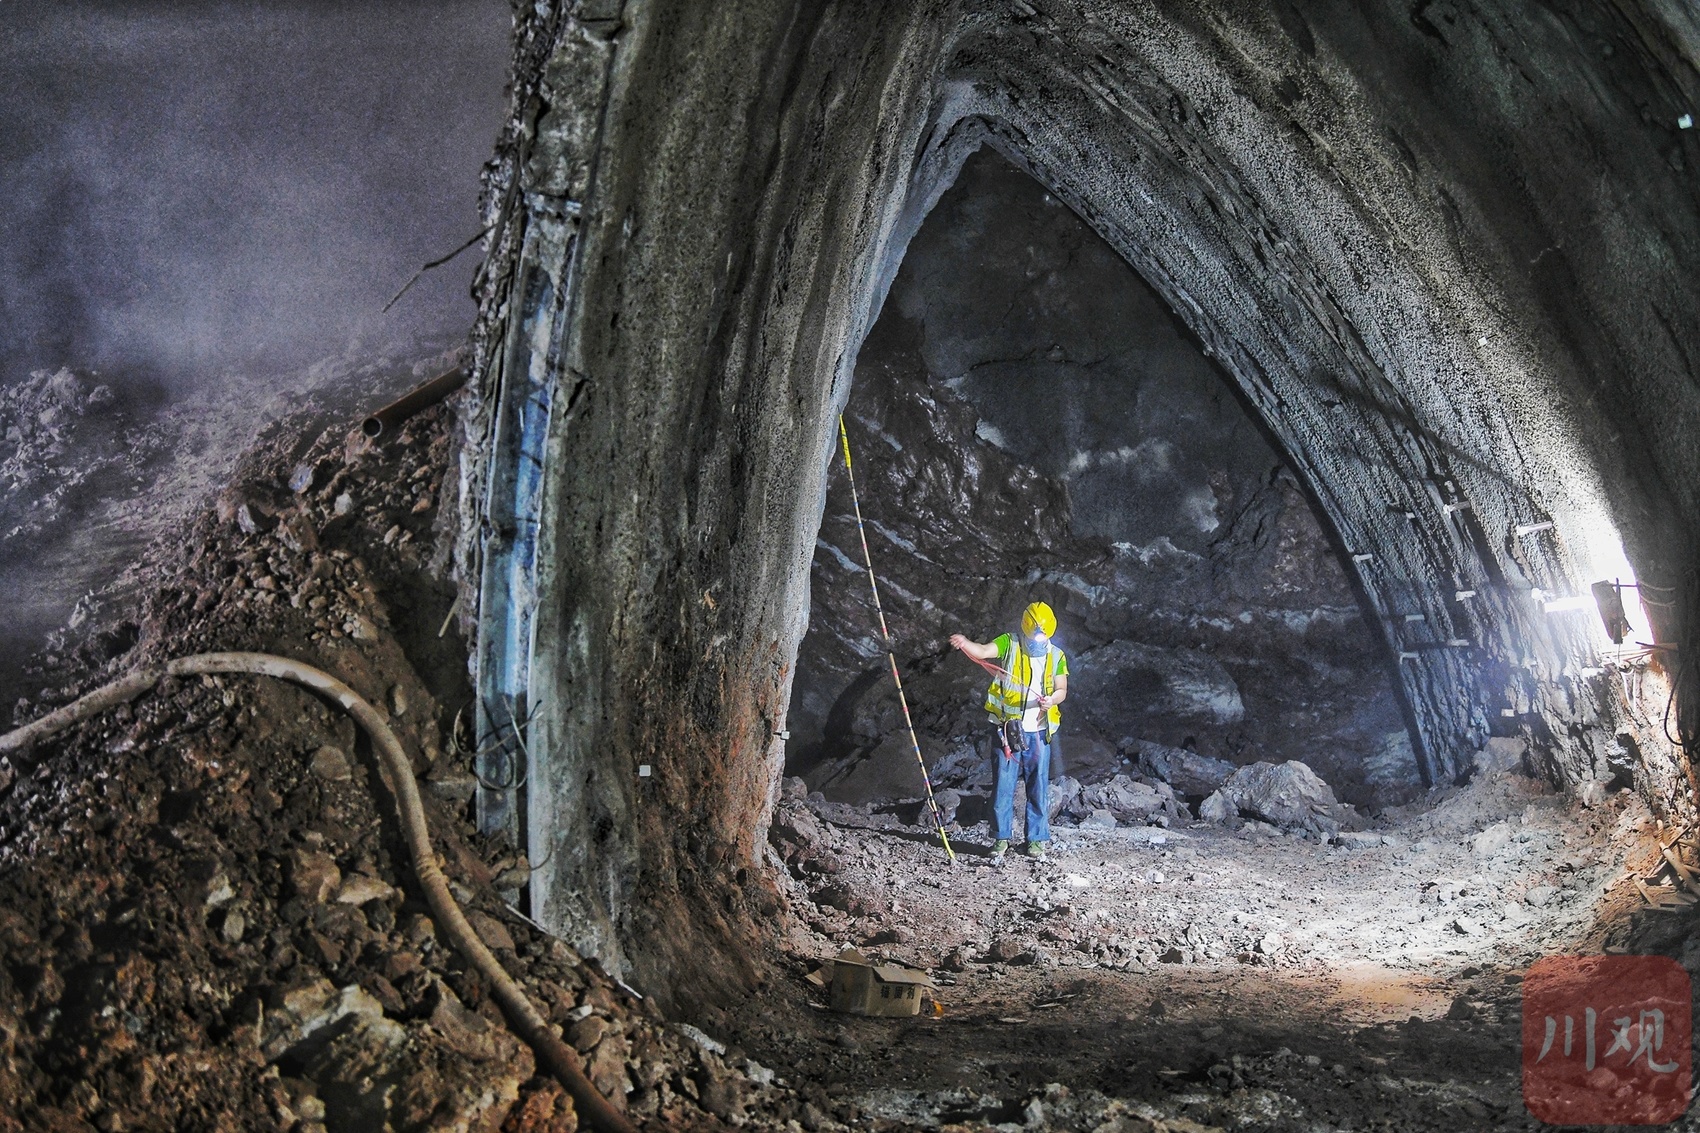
(861, 987)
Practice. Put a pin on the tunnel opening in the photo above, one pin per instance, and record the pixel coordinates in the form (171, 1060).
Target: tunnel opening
(1160, 936)
(1034, 424)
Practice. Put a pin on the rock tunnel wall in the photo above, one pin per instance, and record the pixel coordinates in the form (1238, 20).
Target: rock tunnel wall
(1446, 253)
(1033, 423)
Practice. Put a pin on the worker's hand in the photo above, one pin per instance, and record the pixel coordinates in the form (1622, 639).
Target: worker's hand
(957, 641)
(1045, 701)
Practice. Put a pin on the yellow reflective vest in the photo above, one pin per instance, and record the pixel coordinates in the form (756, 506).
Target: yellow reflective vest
(1009, 699)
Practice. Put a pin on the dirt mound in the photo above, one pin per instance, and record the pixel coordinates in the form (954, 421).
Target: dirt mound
(207, 920)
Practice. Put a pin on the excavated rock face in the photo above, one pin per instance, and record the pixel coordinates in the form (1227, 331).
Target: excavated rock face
(1032, 423)
(1445, 254)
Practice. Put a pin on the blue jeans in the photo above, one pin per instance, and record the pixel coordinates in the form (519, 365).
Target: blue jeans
(1032, 767)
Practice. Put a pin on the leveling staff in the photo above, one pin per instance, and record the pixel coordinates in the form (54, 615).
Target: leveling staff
(1029, 680)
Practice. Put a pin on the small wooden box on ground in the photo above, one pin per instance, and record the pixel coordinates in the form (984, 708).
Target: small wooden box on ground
(862, 987)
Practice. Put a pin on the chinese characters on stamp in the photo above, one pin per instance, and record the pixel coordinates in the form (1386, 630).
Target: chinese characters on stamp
(1606, 1040)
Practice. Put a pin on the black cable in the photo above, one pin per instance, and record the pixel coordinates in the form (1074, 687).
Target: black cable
(1683, 697)
(433, 264)
(1670, 701)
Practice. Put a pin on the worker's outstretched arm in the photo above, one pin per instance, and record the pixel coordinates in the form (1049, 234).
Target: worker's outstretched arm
(973, 648)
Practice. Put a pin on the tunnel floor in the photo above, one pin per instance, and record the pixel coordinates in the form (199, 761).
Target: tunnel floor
(1236, 979)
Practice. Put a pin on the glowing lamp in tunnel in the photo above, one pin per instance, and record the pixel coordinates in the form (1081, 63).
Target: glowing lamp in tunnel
(1602, 556)
(1617, 618)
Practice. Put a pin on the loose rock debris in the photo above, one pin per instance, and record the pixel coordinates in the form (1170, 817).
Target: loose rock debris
(1248, 977)
(206, 918)
(206, 921)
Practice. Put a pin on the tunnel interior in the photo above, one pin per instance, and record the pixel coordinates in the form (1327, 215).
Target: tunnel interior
(670, 332)
(1034, 424)
(1328, 368)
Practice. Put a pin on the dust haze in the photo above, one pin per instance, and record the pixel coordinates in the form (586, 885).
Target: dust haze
(203, 211)
(186, 188)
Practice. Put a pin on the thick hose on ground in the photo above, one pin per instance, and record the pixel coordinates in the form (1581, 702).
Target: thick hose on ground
(561, 1060)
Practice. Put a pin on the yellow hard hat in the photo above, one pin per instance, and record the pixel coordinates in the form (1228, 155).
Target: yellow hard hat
(1038, 618)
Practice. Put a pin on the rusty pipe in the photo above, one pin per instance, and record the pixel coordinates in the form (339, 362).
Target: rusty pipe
(405, 406)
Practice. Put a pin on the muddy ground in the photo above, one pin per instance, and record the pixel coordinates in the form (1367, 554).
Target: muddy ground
(207, 921)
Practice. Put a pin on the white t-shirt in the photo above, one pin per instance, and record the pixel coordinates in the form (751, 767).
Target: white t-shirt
(1030, 720)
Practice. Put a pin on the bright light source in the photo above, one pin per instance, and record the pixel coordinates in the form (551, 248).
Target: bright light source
(1606, 560)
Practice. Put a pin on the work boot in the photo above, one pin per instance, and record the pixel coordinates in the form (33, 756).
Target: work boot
(1036, 851)
(999, 849)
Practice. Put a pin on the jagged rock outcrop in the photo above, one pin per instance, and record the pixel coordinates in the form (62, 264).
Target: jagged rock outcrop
(1288, 795)
(1188, 772)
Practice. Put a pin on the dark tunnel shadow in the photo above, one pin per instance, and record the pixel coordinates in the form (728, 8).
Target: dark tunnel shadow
(837, 742)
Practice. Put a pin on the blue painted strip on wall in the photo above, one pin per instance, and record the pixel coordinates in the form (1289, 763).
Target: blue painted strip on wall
(508, 589)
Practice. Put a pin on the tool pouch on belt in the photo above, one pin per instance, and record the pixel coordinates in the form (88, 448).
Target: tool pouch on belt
(1014, 738)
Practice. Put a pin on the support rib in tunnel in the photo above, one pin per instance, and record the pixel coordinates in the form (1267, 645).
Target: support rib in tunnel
(1368, 220)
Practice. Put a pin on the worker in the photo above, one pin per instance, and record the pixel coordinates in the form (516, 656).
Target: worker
(1031, 680)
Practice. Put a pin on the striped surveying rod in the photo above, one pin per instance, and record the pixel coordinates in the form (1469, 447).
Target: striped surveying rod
(885, 636)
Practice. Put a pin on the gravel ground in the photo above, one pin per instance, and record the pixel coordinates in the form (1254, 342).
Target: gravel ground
(1239, 979)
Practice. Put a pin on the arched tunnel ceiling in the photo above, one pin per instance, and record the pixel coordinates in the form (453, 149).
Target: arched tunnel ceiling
(1031, 422)
(1447, 253)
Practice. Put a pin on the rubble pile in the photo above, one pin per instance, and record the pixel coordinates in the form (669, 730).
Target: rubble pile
(1188, 772)
(1120, 800)
(207, 919)
(59, 433)
(1157, 786)
(1288, 795)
